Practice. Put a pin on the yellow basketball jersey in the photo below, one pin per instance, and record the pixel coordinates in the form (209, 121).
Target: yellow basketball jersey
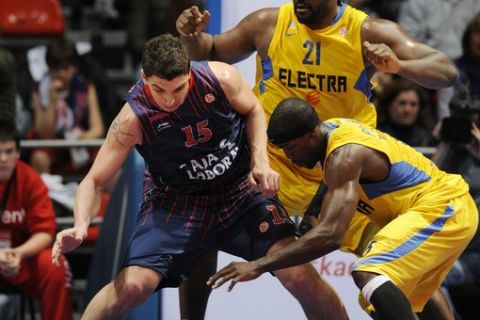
(413, 182)
(324, 67)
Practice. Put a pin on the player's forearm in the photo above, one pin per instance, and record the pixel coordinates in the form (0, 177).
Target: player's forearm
(87, 203)
(199, 47)
(316, 204)
(434, 71)
(309, 247)
(257, 135)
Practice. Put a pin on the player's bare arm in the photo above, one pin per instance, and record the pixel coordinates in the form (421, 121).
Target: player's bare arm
(253, 33)
(388, 47)
(337, 210)
(122, 136)
(246, 103)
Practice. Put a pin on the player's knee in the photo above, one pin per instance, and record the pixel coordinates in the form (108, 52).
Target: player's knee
(361, 278)
(134, 289)
(132, 293)
(297, 279)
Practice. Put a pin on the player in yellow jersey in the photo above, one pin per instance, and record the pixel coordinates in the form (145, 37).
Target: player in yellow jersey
(322, 51)
(292, 60)
(427, 216)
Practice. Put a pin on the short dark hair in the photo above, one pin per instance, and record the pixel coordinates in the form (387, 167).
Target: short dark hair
(292, 118)
(8, 132)
(61, 53)
(166, 57)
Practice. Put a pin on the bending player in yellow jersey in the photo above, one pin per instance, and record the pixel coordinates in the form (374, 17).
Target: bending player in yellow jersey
(426, 216)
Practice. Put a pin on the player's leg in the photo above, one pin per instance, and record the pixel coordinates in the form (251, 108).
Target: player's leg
(360, 232)
(387, 298)
(413, 253)
(131, 287)
(437, 308)
(317, 298)
(265, 228)
(194, 292)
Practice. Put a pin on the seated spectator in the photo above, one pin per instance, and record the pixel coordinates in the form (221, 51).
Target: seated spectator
(65, 106)
(27, 228)
(401, 107)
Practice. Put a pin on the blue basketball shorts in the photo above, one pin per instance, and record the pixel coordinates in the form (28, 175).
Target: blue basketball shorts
(174, 229)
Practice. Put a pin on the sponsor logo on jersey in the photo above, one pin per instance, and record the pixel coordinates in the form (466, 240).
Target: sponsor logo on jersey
(209, 98)
(343, 31)
(163, 125)
(292, 29)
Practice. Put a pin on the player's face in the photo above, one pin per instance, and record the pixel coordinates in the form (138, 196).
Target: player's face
(311, 12)
(168, 95)
(9, 156)
(300, 152)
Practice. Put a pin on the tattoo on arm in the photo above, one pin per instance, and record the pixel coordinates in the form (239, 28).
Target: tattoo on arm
(120, 135)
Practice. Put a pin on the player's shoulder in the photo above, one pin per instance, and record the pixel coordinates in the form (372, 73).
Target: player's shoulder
(376, 30)
(262, 18)
(223, 71)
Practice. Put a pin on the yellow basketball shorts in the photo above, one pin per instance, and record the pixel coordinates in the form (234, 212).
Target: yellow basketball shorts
(418, 248)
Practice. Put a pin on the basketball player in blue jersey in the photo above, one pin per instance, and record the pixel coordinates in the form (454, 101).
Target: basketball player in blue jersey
(202, 134)
(426, 216)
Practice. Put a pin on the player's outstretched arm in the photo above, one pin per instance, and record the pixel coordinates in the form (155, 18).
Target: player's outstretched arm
(123, 134)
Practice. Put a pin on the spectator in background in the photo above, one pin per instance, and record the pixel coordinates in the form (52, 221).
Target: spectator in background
(65, 106)
(26, 232)
(438, 23)
(402, 113)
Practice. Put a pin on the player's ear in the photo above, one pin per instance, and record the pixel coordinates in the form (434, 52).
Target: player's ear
(142, 74)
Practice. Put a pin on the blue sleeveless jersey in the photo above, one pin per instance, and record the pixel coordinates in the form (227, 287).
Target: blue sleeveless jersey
(199, 146)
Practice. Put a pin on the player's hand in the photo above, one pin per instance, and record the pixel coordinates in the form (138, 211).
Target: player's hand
(236, 272)
(191, 21)
(265, 180)
(382, 57)
(66, 241)
(307, 223)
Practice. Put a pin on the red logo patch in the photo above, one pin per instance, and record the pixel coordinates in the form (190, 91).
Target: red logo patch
(209, 98)
(263, 227)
